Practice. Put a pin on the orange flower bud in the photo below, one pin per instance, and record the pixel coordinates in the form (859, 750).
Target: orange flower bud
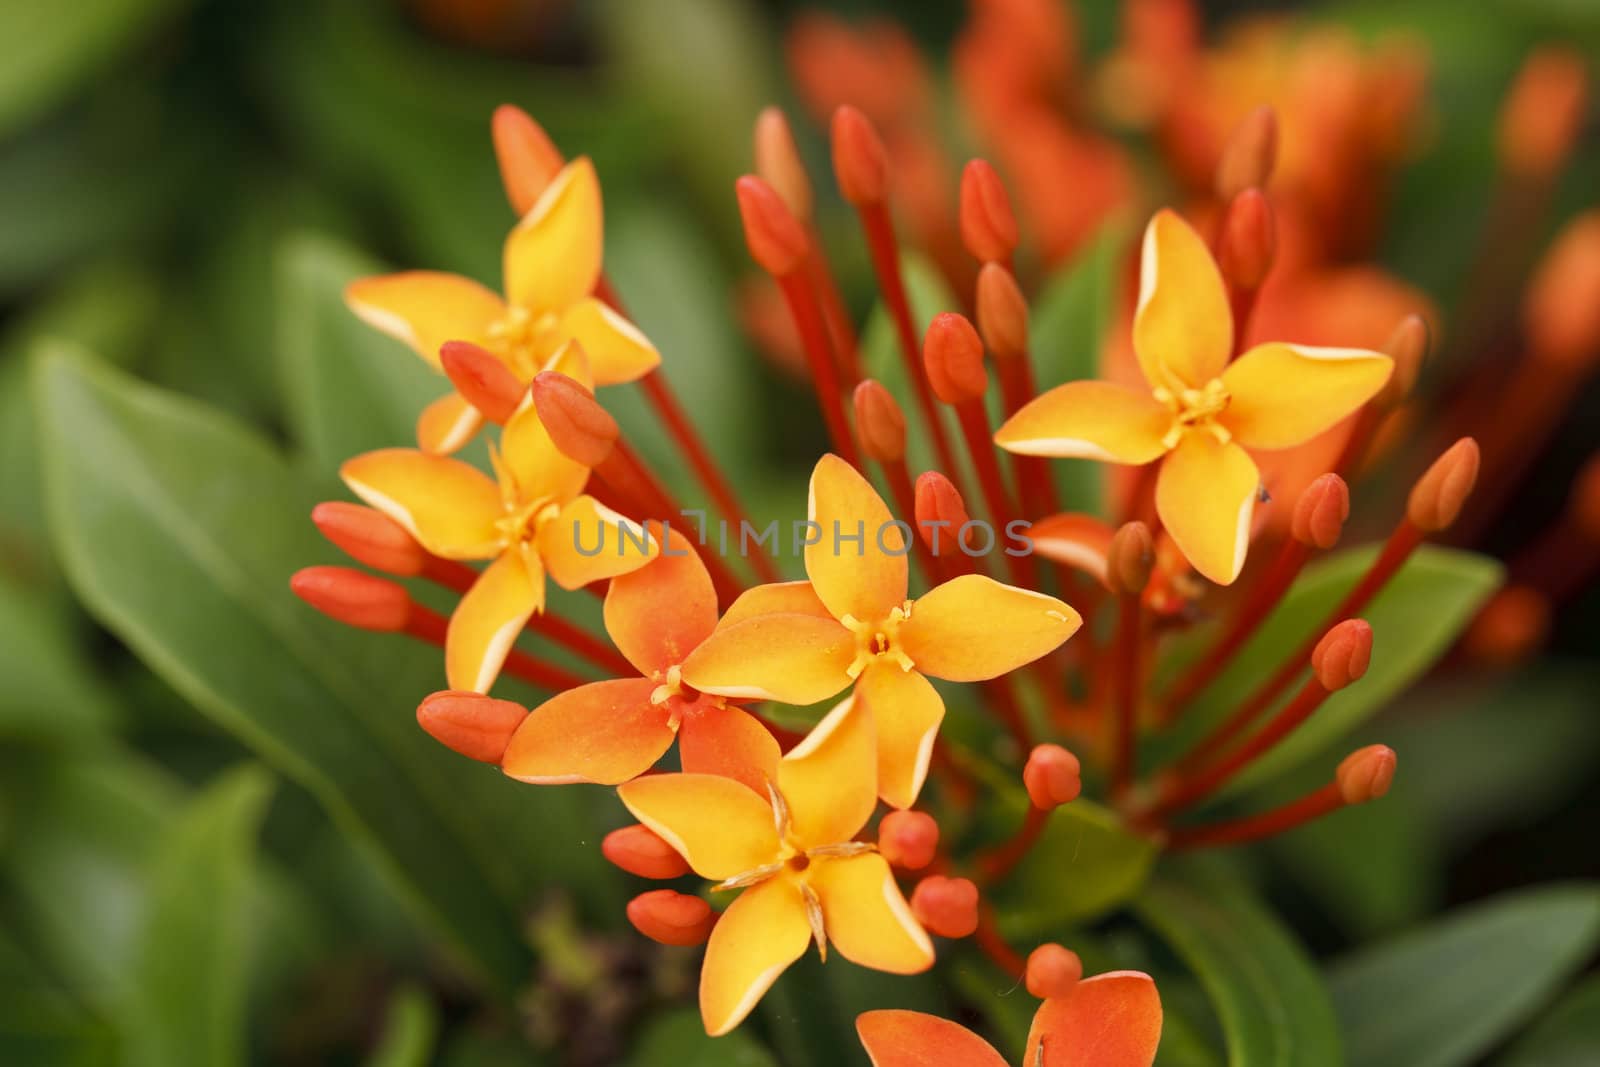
(1130, 559)
(481, 379)
(580, 428)
(908, 839)
(369, 536)
(1439, 494)
(529, 162)
(1320, 513)
(353, 597)
(671, 918)
(859, 159)
(478, 727)
(941, 513)
(1249, 156)
(947, 907)
(1366, 774)
(1510, 627)
(1408, 347)
(988, 225)
(778, 161)
(1543, 112)
(1051, 777)
(1052, 971)
(639, 850)
(1343, 654)
(1584, 501)
(1561, 312)
(776, 240)
(1249, 240)
(953, 355)
(1002, 312)
(880, 424)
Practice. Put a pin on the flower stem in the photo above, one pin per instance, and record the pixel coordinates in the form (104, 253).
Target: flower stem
(1266, 824)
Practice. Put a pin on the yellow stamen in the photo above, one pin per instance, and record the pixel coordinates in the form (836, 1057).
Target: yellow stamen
(1195, 409)
(878, 640)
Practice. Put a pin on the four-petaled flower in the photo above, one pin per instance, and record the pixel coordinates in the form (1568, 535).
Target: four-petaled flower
(1200, 408)
(535, 521)
(552, 264)
(801, 642)
(793, 853)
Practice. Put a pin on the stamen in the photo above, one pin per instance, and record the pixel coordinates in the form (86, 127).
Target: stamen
(819, 929)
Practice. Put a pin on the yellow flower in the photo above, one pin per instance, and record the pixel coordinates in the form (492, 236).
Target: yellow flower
(801, 642)
(793, 854)
(535, 521)
(1200, 409)
(552, 264)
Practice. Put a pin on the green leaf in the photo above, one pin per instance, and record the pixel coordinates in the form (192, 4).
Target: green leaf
(1443, 995)
(1083, 865)
(680, 1039)
(410, 1030)
(193, 961)
(1568, 1036)
(179, 530)
(1271, 1002)
(52, 691)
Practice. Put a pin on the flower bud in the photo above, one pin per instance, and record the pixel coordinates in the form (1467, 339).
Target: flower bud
(778, 162)
(1002, 312)
(1366, 774)
(1439, 494)
(776, 240)
(1052, 971)
(941, 513)
(481, 379)
(1130, 559)
(1320, 513)
(947, 907)
(859, 159)
(1051, 777)
(1343, 654)
(908, 839)
(952, 353)
(369, 536)
(671, 918)
(988, 225)
(353, 597)
(1584, 501)
(529, 162)
(639, 850)
(1408, 347)
(1510, 627)
(880, 424)
(581, 429)
(1249, 156)
(1543, 113)
(1249, 240)
(476, 726)
(1561, 312)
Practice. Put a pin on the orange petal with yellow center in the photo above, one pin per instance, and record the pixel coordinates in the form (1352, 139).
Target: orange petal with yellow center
(906, 712)
(862, 576)
(1183, 328)
(488, 619)
(829, 780)
(776, 598)
(793, 659)
(1282, 395)
(604, 732)
(895, 1038)
(552, 257)
(867, 918)
(587, 541)
(1089, 420)
(618, 351)
(730, 742)
(450, 507)
(426, 308)
(754, 941)
(717, 825)
(661, 612)
(1205, 495)
(973, 628)
(446, 425)
(1110, 1019)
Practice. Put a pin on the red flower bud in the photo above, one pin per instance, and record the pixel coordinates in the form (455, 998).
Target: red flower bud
(580, 428)
(639, 850)
(860, 161)
(941, 513)
(478, 727)
(529, 162)
(1249, 155)
(988, 225)
(1249, 240)
(953, 355)
(1051, 777)
(671, 918)
(481, 379)
(1320, 513)
(1343, 654)
(776, 240)
(1408, 347)
(1439, 494)
(1584, 501)
(353, 597)
(880, 424)
(1052, 971)
(369, 536)
(778, 162)
(1130, 559)
(1002, 312)
(908, 839)
(1510, 627)
(1544, 112)
(947, 907)
(1561, 313)
(1366, 774)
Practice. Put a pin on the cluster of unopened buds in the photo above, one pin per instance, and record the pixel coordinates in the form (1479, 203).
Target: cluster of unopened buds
(1014, 590)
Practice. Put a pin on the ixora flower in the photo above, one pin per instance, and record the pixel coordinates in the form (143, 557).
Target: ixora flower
(1110, 1020)
(552, 264)
(801, 642)
(535, 521)
(793, 853)
(1201, 411)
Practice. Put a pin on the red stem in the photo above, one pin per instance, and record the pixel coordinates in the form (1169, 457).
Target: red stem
(905, 502)
(1004, 859)
(974, 421)
(988, 939)
(1034, 484)
(1266, 824)
(1129, 639)
(834, 312)
(807, 315)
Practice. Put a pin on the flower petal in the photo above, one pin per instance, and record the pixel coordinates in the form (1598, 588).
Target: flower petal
(1205, 495)
(1089, 420)
(1282, 395)
(617, 351)
(588, 541)
(728, 741)
(717, 825)
(793, 659)
(906, 713)
(776, 598)
(1183, 328)
(972, 628)
(450, 507)
(447, 424)
(552, 257)
(895, 1038)
(830, 779)
(1078, 540)
(426, 308)
(867, 918)
(605, 732)
(863, 577)
(486, 623)
(661, 612)
(754, 941)
(1109, 1019)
